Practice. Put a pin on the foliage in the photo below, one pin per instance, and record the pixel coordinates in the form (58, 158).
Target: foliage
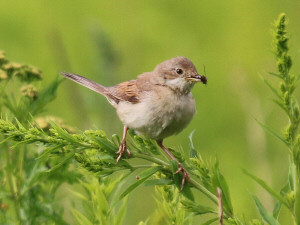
(38, 155)
(27, 191)
(289, 195)
(99, 201)
(169, 207)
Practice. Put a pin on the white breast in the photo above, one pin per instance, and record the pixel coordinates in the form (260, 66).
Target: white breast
(159, 115)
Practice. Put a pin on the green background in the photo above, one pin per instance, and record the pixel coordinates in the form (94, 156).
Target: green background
(114, 41)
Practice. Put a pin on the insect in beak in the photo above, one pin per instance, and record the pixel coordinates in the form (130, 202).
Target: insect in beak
(197, 78)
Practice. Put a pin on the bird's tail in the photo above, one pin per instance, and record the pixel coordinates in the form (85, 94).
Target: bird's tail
(86, 82)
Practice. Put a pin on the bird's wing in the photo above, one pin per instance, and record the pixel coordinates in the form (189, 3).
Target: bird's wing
(86, 82)
(126, 91)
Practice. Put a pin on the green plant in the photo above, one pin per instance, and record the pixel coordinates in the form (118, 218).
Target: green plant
(99, 201)
(27, 191)
(289, 195)
(38, 155)
(96, 153)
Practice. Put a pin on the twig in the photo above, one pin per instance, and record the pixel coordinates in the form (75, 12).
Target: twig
(220, 205)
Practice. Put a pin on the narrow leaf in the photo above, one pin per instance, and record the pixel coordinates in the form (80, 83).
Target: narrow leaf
(274, 90)
(45, 96)
(81, 219)
(66, 159)
(5, 140)
(177, 177)
(158, 182)
(280, 104)
(277, 209)
(105, 144)
(210, 221)
(193, 152)
(47, 151)
(196, 208)
(297, 202)
(264, 213)
(78, 195)
(275, 74)
(20, 126)
(265, 186)
(291, 175)
(219, 181)
(143, 177)
(271, 131)
(121, 213)
(63, 133)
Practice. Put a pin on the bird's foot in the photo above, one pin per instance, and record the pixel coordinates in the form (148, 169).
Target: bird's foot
(121, 150)
(185, 175)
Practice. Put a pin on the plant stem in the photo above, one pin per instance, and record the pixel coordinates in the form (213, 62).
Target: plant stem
(193, 182)
(150, 158)
(141, 166)
(206, 192)
(12, 185)
(297, 193)
(20, 167)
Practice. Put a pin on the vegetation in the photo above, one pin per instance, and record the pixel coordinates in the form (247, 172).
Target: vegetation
(41, 154)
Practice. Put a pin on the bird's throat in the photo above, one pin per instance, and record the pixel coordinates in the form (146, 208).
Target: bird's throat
(180, 85)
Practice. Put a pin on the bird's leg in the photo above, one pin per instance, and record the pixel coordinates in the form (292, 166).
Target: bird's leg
(123, 146)
(185, 175)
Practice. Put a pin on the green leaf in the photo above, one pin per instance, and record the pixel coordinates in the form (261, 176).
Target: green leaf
(68, 157)
(196, 208)
(275, 74)
(121, 213)
(105, 144)
(115, 139)
(143, 177)
(45, 96)
(80, 218)
(264, 213)
(78, 195)
(271, 131)
(177, 177)
(63, 133)
(193, 152)
(210, 221)
(264, 185)
(278, 205)
(297, 199)
(11, 105)
(291, 175)
(20, 126)
(219, 181)
(280, 104)
(5, 140)
(187, 192)
(47, 151)
(274, 90)
(158, 182)
(277, 209)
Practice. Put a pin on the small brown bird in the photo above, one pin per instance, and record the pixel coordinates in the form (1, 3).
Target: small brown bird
(157, 104)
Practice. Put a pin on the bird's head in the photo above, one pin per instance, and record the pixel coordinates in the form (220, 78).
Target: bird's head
(179, 74)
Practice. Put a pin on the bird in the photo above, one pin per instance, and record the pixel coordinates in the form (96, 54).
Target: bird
(157, 104)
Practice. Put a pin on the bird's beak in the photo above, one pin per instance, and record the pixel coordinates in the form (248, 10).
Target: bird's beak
(197, 78)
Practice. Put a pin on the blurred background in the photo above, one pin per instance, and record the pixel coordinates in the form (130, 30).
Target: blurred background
(114, 41)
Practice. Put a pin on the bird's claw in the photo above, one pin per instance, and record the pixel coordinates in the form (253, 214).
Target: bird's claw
(185, 175)
(121, 151)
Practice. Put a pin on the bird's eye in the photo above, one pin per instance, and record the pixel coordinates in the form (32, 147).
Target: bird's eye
(179, 71)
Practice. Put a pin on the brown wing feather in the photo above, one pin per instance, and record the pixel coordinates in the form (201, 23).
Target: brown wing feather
(126, 91)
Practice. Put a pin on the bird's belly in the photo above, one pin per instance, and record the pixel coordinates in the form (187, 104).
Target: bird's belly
(158, 118)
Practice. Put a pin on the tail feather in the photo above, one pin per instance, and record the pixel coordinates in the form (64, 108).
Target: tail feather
(86, 82)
